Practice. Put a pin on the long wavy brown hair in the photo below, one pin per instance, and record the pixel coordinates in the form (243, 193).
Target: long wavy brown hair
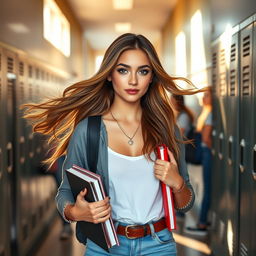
(58, 117)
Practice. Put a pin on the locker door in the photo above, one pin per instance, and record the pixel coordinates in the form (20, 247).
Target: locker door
(9, 61)
(215, 177)
(4, 200)
(222, 154)
(253, 162)
(232, 168)
(23, 202)
(219, 211)
(245, 137)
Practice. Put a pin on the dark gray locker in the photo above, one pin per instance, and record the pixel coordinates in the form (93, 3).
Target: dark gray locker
(232, 167)
(215, 176)
(10, 79)
(4, 200)
(245, 137)
(218, 205)
(22, 176)
(253, 154)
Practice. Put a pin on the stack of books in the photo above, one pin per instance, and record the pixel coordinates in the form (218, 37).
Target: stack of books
(103, 234)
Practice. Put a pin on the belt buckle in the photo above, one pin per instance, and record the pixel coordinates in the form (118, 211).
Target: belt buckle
(126, 232)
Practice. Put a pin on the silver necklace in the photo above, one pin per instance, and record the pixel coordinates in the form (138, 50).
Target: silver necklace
(130, 141)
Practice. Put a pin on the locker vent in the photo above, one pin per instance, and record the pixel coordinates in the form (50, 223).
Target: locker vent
(232, 88)
(222, 83)
(214, 60)
(22, 92)
(243, 250)
(10, 87)
(30, 71)
(246, 80)
(233, 52)
(246, 46)
(214, 80)
(10, 64)
(222, 57)
(21, 69)
(47, 76)
(0, 62)
(43, 75)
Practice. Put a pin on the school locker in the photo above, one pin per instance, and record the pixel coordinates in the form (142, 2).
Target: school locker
(232, 168)
(245, 137)
(5, 239)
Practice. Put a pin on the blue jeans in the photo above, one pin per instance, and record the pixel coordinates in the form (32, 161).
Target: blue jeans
(207, 167)
(155, 244)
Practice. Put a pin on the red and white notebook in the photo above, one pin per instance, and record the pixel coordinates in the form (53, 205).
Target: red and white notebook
(170, 217)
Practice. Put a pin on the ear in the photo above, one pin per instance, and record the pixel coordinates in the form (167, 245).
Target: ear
(109, 78)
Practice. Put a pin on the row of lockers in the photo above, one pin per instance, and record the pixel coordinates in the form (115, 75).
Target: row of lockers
(26, 192)
(234, 172)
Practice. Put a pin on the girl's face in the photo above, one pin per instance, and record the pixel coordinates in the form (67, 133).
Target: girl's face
(207, 98)
(131, 76)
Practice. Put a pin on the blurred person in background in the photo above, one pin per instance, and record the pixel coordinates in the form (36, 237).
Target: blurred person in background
(184, 116)
(204, 126)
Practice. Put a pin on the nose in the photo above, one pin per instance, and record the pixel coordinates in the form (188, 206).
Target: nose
(133, 80)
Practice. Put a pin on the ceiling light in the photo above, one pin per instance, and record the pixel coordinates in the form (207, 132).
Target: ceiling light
(123, 27)
(122, 4)
(18, 28)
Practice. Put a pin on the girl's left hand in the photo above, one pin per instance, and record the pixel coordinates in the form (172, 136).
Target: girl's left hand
(168, 172)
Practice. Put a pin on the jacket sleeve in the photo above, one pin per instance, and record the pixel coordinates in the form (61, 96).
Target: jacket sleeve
(76, 154)
(184, 172)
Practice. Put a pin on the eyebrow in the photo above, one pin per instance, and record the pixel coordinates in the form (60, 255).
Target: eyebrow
(127, 66)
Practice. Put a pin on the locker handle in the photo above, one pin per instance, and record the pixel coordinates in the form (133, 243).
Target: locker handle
(31, 138)
(230, 144)
(242, 146)
(9, 157)
(254, 163)
(220, 154)
(22, 149)
(213, 139)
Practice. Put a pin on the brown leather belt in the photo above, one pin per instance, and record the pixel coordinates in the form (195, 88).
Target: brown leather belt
(136, 231)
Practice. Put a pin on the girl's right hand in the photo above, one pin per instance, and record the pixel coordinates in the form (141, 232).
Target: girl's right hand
(95, 212)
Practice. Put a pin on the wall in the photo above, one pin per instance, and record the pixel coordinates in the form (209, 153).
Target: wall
(28, 15)
(180, 20)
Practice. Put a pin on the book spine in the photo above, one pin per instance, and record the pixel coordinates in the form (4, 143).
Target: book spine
(168, 201)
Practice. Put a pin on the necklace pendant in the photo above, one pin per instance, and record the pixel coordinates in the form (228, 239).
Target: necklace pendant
(130, 141)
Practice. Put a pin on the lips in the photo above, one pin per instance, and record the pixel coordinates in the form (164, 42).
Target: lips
(132, 91)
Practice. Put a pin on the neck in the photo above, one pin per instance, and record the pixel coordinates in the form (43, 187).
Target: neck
(126, 111)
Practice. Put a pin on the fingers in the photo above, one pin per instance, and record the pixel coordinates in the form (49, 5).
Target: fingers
(100, 214)
(171, 156)
(102, 219)
(82, 194)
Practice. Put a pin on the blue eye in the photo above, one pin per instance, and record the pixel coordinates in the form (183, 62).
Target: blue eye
(144, 72)
(122, 71)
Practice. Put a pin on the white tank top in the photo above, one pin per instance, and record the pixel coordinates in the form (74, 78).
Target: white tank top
(135, 193)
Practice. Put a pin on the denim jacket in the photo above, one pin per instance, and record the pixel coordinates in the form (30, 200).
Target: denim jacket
(76, 154)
